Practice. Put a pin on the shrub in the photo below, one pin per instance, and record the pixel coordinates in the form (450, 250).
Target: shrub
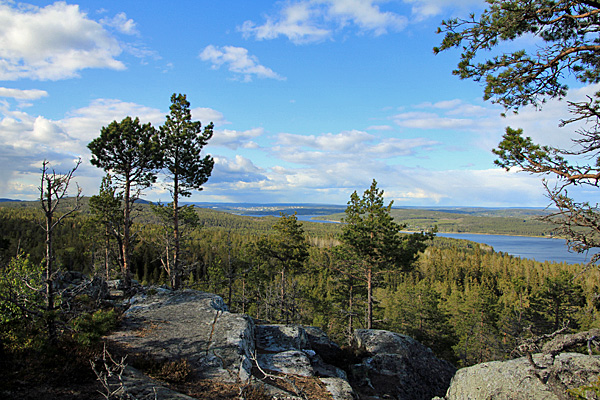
(88, 328)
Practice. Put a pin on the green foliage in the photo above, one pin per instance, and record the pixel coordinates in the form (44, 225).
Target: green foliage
(21, 290)
(372, 244)
(462, 299)
(182, 141)
(586, 392)
(89, 327)
(287, 246)
(555, 303)
(128, 150)
(132, 153)
(284, 252)
(106, 221)
(22, 298)
(568, 45)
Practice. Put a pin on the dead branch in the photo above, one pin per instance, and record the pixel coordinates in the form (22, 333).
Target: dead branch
(108, 370)
(284, 378)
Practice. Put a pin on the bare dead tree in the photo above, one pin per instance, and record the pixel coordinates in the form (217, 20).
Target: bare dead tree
(53, 190)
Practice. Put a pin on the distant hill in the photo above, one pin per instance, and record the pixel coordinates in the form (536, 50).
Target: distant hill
(501, 221)
(274, 209)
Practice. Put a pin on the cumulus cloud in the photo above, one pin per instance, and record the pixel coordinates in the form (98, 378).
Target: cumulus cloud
(307, 21)
(19, 94)
(345, 147)
(489, 187)
(237, 61)
(85, 123)
(233, 139)
(485, 120)
(237, 170)
(297, 21)
(366, 14)
(207, 115)
(380, 128)
(54, 42)
(543, 125)
(342, 142)
(26, 140)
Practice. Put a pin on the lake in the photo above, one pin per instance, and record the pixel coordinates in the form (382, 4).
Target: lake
(536, 248)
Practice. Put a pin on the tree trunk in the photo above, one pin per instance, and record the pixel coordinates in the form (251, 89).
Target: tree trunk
(107, 252)
(351, 319)
(125, 269)
(176, 278)
(369, 297)
(230, 272)
(51, 326)
(283, 310)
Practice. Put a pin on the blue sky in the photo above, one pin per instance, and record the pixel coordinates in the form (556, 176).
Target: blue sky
(311, 99)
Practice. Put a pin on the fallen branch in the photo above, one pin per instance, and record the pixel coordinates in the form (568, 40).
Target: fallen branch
(297, 390)
(106, 372)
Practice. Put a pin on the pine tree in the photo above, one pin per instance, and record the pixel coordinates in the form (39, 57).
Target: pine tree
(287, 249)
(106, 210)
(182, 141)
(131, 152)
(373, 242)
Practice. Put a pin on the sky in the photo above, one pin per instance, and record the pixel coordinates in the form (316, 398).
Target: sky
(311, 99)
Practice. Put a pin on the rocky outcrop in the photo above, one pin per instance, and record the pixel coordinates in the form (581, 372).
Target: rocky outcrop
(518, 379)
(190, 325)
(399, 367)
(298, 350)
(196, 327)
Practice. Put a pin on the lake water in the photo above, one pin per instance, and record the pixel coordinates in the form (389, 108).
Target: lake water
(536, 248)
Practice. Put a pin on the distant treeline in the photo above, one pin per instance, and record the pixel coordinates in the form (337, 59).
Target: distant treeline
(510, 221)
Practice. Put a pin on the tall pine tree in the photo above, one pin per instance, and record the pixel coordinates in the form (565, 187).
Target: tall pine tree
(182, 141)
(373, 240)
(131, 152)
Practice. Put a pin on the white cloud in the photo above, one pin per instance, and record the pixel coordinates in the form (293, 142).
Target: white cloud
(233, 139)
(341, 142)
(422, 9)
(238, 61)
(393, 147)
(488, 187)
(307, 21)
(51, 43)
(365, 14)
(85, 123)
(421, 120)
(297, 21)
(240, 169)
(543, 126)
(29, 94)
(121, 23)
(207, 115)
(380, 128)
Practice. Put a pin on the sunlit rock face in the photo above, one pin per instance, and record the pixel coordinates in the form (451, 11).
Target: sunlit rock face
(518, 380)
